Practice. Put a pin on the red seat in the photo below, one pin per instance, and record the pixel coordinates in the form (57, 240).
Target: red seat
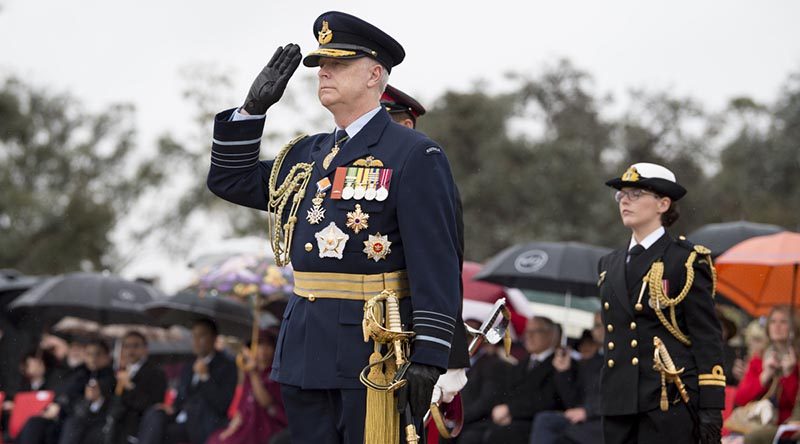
(234, 406)
(26, 405)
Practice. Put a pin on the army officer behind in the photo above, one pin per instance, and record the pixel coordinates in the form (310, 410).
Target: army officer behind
(379, 210)
(663, 380)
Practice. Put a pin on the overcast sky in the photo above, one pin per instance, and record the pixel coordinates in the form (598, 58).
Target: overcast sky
(131, 51)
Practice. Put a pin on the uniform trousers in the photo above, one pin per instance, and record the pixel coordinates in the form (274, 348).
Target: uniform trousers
(333, 416)
(654, 427)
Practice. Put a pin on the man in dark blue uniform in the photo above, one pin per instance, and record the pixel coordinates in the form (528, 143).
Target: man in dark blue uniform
(370, 206)
(405, 110)
(663, 380)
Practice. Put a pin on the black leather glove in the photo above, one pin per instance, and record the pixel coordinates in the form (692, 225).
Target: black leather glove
(268, 87)
(710, 426)
(417, 392)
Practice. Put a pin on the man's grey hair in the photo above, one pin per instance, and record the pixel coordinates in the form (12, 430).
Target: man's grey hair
(384, 79)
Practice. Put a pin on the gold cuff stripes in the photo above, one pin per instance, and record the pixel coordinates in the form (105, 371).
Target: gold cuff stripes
(716, 377)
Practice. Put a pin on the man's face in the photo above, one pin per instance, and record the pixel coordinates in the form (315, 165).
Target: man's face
(343, 81)
(202, 340)
(96, 357)
(538, 336)
(133, 349)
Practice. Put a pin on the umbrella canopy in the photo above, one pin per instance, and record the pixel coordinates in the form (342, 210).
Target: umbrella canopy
(761, 272)
(562, 267)
(479, 290)
(233, 317)
(720, 237)
(99, 297)
(248, 275)
(13, 283)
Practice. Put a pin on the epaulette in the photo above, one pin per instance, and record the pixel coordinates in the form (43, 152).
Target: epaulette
(691, 246)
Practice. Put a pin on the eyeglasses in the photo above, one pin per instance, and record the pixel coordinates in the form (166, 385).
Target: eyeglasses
(632, 195)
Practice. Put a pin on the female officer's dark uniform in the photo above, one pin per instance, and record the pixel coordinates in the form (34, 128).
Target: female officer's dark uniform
(663, 291)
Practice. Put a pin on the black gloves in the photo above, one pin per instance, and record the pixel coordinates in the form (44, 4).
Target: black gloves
(710, 426)
(268, 87)
(420, 379)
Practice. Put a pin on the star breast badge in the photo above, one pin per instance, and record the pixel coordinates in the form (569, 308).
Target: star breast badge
(357, 220)
(331, 241)
(377, 247)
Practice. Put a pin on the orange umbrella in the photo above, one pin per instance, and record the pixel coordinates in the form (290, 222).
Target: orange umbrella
(761, 272)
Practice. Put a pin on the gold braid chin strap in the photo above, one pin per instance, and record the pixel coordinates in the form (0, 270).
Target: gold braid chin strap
(660, 301)
(293, 187)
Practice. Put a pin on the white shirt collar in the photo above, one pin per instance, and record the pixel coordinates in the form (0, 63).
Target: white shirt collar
(135, 367)
(360, 123)
(542, 356)
(649, 240)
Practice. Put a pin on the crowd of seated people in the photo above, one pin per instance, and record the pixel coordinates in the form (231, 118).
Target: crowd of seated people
(547, 393)
(99, 399)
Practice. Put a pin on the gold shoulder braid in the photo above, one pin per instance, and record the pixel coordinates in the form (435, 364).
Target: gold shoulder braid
(294, 187)
(660, 301)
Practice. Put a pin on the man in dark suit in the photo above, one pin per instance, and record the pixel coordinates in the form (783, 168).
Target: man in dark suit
(578, 384)
(657, 296)
(80, 406)
(204, 395)
(366, 208)
(531, 389)
(140, 385)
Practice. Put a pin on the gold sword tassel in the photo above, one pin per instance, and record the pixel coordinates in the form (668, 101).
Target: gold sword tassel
(662, 363)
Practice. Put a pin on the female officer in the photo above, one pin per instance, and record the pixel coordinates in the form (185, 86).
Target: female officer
(663, 380)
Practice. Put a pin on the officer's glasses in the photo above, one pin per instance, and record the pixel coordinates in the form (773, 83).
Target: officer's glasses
(632, 195)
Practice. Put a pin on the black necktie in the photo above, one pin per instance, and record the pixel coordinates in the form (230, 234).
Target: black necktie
(634, 252)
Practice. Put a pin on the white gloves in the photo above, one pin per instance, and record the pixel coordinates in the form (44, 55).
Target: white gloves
(449, 384)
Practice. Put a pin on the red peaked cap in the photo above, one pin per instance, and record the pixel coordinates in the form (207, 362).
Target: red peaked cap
(395, 100)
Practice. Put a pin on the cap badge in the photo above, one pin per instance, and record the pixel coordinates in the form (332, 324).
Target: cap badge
(631, 175)
(325, 35)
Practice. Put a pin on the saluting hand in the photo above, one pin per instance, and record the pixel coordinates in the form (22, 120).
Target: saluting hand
(270, 83)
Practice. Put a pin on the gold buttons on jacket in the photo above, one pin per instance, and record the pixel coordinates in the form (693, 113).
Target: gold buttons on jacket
(312, 298)
(610, 363)
(635, 361)
(610, 328)
(634, 343)
(633, 326)
(605, 305)
(309, 247)
(611, 346)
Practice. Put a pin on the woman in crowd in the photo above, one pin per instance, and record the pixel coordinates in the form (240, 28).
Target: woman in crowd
(260, 415)
(773, 372)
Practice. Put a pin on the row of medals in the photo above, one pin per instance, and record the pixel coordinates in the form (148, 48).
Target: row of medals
(366, 183)
(331, 239)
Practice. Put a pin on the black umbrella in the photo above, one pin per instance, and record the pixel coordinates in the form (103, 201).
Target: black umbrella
(559, 267)
(13, 283)
(722, 236)
(99, 297)
(233, 318)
